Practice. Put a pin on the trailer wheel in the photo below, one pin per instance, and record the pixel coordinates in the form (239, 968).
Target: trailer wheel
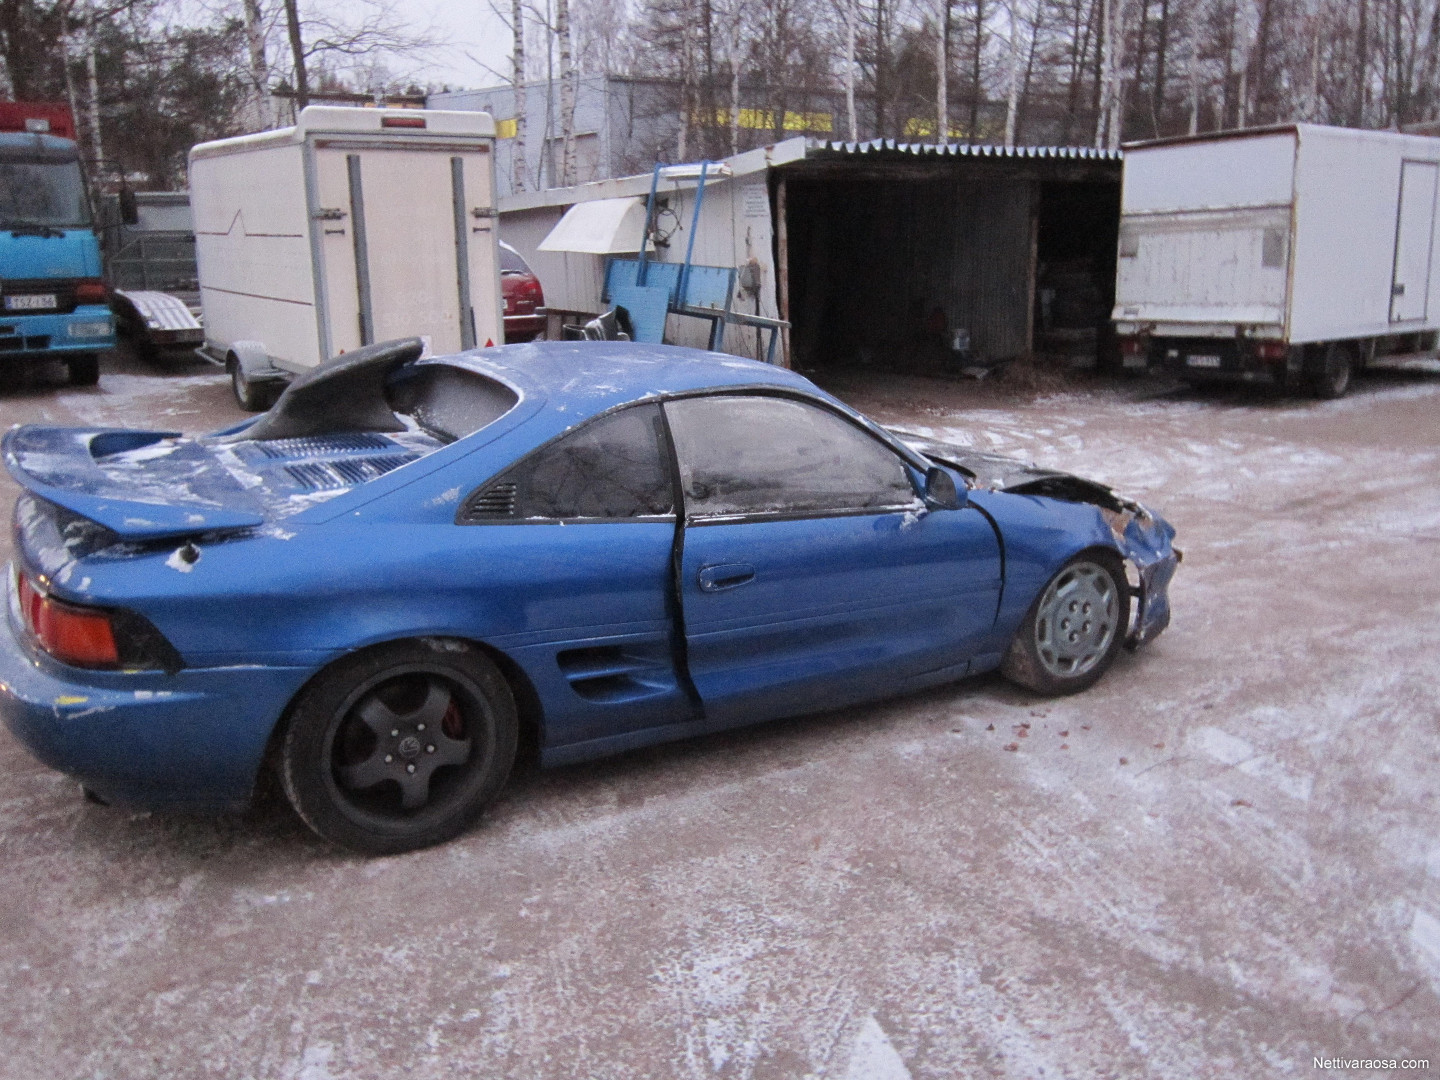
(251, 396)
(1330, 376)
(84, 370)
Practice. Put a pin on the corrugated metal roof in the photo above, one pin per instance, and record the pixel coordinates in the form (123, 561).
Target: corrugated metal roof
(891, 146)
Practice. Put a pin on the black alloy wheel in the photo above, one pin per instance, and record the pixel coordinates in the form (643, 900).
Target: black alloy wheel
(401, 746)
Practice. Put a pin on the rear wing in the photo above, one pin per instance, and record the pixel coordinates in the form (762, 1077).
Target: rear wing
(141, 485)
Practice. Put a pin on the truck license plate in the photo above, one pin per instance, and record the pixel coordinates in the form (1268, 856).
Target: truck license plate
(1202, 361)
(34, 302)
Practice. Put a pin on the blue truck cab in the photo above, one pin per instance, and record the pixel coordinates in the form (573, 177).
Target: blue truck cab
(52, 292)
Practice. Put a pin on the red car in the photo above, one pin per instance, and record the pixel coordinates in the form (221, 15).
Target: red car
(524, 299)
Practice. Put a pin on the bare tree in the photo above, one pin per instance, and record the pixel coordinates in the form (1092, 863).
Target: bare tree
(942, 70)
(567, 93)
(356, 32)
(263, 116)
(517, 86)
(298, 54)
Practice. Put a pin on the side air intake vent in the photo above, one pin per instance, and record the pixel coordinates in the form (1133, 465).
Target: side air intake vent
(491, 503)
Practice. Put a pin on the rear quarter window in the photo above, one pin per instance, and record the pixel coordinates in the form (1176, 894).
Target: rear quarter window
(449, 402)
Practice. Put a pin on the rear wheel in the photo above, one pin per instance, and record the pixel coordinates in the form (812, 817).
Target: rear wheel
(399, 747)
(84, 370)
(1330, 373)
(252, 396)
(1073, 630)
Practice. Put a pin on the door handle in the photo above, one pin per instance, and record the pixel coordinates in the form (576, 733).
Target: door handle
(719, 576)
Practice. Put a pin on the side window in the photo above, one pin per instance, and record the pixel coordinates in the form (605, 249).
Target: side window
(761, 455)
(610, 469)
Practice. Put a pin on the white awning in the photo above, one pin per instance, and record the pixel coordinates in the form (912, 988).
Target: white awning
(599, 227)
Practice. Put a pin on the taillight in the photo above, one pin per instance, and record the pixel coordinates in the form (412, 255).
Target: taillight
(73, 635)
(90, 292)
(531, 289)
(1133, 346)
(1271, 350)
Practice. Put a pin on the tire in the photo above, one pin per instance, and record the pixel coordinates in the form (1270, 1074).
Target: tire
(84, 370)
(251, 396)
(1330, 375)
(399, 747)
(1041, 659)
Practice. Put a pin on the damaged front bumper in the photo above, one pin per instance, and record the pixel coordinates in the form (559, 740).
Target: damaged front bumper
(1145, 540)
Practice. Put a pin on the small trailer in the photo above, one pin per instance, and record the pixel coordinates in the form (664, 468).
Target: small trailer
(147, 239)
(352, 227)
(1293, 254)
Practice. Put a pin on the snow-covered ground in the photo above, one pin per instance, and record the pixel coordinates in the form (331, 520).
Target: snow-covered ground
(1223, 861)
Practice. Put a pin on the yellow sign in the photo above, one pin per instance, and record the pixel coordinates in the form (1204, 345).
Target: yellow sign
(924, 128)
(764, 120)
(505, 129)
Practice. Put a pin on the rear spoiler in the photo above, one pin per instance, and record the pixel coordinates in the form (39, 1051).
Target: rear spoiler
(190, 493)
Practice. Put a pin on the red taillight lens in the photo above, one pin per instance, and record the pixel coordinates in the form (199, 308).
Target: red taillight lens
(90, 292)
(1271, 350)
(1132, 346)
(73, 635)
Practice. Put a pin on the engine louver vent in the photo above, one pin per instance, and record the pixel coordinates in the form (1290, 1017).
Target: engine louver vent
(491, 503)
(322, 445)
(318, 475)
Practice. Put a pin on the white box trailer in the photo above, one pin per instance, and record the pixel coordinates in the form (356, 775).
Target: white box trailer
(1293, 253)
(352, 227)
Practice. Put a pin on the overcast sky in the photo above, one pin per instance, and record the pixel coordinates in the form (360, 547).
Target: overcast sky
(473, 33)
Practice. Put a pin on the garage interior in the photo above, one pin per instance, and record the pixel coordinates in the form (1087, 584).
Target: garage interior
(936, 259)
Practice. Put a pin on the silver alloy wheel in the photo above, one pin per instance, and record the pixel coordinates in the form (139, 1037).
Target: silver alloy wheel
(1076, 619)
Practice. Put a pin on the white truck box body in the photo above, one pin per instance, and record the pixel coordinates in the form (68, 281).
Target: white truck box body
(353, 226)
(1303, 234)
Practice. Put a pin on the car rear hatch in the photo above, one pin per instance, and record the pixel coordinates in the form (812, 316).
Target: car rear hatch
(145, 486)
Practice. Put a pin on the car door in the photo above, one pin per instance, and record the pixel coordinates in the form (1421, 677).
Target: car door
(577, 557)
(811, 573)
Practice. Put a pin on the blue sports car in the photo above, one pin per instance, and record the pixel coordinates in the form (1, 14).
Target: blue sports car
(383, 582)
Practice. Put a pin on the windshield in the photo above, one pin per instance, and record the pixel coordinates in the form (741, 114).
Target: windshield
(34, 191)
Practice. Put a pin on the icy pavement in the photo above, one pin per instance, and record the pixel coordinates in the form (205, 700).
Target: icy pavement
(1223, 861)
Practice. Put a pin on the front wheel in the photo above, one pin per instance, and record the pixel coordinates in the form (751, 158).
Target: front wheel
(84, 370)
(399, 747)
(1072, 632)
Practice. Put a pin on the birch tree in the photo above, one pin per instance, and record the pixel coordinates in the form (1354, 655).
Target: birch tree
(567, 94)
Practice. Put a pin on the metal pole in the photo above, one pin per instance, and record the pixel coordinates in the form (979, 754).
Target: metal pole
(649, 221)
(782, 271)
(694, 228)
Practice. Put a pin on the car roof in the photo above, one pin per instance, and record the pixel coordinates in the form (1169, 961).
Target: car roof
(586, 377)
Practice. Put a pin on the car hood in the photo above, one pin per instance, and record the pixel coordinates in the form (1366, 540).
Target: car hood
(992, 472)
(152, 485)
